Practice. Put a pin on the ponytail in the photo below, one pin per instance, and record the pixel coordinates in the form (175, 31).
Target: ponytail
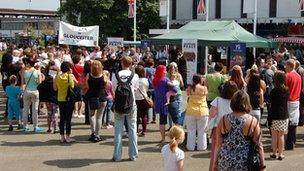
(173, 144)
(176, 134)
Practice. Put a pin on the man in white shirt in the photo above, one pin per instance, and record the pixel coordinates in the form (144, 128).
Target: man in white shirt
(130, 118)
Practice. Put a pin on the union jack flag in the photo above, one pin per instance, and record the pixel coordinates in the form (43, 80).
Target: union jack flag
(301, 5)
(131, 9)
(201, 7)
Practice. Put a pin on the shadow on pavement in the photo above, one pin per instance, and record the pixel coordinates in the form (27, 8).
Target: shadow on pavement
(84, 138)
(125, 142)
(201, 155)
(75, 163)
(33, 143)
(150, 150)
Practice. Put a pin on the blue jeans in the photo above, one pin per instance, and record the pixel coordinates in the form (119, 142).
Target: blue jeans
(107, 115)
(119, 125)
(179, 103)
(174, 112)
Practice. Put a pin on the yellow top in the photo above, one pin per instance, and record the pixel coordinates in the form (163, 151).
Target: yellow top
(197, 106)
(62, 85)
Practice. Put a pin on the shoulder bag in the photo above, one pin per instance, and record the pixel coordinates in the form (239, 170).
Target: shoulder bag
(148, 100)
(71, 95)
(253, 160)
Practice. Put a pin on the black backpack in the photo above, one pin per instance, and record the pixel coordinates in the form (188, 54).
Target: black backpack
(123, 101)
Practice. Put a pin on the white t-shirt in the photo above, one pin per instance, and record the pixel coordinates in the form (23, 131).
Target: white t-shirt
(57, 62)
(126, 73)
(16, 59)
(171, 158)
(223, 107)
(67, 58)
(143, 87)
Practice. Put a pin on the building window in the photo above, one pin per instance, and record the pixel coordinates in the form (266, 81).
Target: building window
(243, 15)
(273, 8)
(218, 8)
(194, 9)
(173, 9)
(302, 13)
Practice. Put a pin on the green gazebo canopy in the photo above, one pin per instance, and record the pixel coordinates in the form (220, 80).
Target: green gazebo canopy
(214, 33)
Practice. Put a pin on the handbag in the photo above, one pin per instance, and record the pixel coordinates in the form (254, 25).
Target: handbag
(212, 121)
(71, 95)
(21, 95)
(148, 100)
(94, 103)
(253, 160)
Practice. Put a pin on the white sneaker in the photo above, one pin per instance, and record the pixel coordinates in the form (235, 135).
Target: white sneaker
(109, 126)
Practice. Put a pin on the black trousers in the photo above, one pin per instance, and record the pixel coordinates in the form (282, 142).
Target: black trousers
(66, 111)
(291, 137)
(86, 111)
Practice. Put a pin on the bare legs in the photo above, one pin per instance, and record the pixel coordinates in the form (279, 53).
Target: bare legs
(277, 142)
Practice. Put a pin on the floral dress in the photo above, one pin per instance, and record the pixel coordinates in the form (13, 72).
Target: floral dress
(235, 148)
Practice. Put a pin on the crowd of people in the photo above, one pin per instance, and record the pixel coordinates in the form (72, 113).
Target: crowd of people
(119, 87)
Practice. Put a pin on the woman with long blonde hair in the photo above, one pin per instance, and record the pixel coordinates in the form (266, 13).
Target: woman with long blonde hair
(96, 96)
(107, 116)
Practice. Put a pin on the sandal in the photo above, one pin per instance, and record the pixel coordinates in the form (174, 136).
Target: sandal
(62, 141)
(70, 140)
(281, 157)
(273, 156)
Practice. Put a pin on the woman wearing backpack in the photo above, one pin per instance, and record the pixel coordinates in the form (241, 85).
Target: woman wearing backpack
(96, 95)
(125, 82)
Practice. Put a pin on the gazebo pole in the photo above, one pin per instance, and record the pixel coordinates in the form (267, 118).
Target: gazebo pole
(255, 23)
(206, 47)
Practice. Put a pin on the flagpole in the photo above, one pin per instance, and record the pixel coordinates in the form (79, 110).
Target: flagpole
(206, 47)
(255, 23)
(134, 24)
(168, 16)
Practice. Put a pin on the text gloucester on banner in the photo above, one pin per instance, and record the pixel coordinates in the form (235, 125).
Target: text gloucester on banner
(115, 41)
(190, 54)
(78, 36)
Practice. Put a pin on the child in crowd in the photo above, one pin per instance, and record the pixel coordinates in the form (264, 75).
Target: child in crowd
(107, 116)
(174, 156)
(13, 93)
(171, 93)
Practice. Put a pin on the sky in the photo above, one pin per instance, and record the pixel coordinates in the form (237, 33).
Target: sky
(51, 5)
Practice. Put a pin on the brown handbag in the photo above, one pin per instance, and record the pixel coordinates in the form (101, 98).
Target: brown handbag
(148, 100)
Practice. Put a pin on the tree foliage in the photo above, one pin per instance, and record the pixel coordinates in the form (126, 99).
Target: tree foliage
(112, 16)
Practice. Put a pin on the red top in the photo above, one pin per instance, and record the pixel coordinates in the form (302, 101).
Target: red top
(293, 81)
(78, 72)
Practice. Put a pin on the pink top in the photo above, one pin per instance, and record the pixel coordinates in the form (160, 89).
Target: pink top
(109, 90)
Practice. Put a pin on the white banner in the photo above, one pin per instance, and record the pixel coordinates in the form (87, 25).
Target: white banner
(248, 6)
(78, 36)
(115, 41)
(190, 54)
(163, 8)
